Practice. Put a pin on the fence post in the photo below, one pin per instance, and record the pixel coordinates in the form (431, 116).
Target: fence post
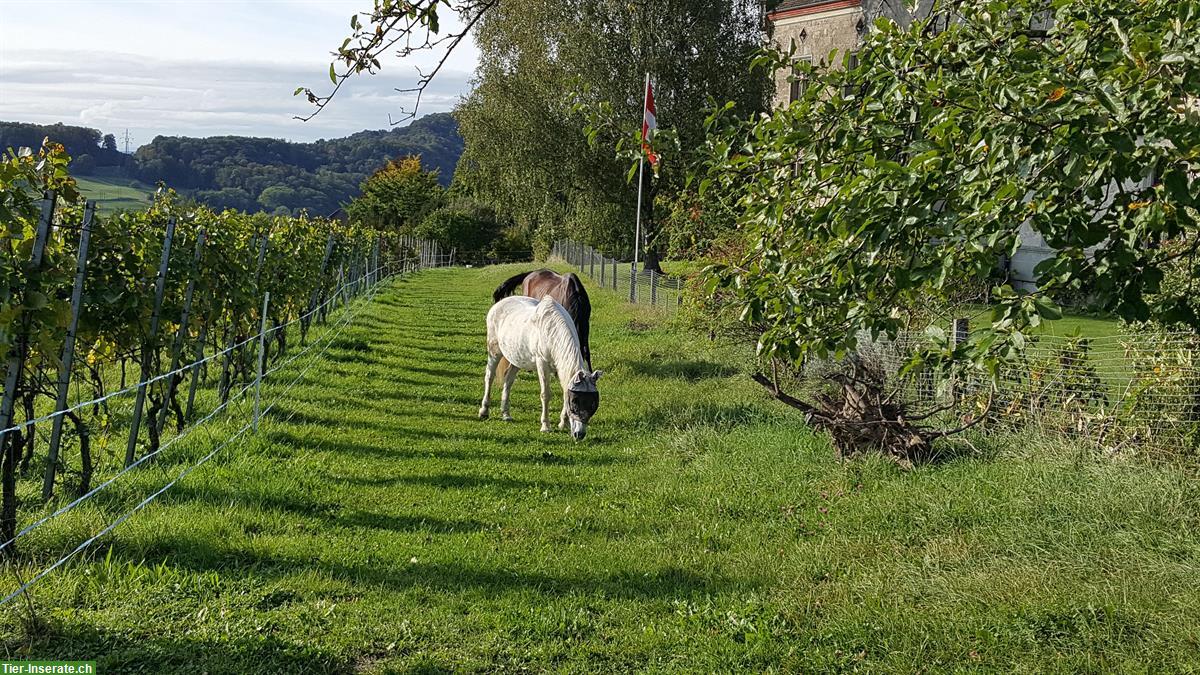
(181, 334)
(962, 330)
(614, 274)
(452, 252)
(603, 267)
(375, 256)
(591, 263)
(159, 287)
(342, 285)
(653, 288)
(16, 363)
(318, 292)
(195, 371)
(262, 359)
(633, 282)
(68, 352)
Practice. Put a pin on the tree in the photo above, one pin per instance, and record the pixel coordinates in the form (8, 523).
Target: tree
(84, 165)
(398, 196)
(550, 74)
(110, 142)
(461, 224)
(560, 87)
(891, 183)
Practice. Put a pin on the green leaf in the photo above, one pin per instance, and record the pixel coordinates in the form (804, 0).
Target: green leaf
(332, 74)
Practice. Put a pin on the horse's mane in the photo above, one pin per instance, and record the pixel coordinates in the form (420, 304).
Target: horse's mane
(579, 306)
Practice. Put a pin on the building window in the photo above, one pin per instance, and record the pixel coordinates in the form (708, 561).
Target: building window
(799, 79)
(851, 64)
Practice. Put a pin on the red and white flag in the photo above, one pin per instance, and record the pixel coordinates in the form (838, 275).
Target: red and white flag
(649, 123)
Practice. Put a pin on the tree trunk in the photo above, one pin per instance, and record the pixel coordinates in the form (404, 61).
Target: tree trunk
(652, 259)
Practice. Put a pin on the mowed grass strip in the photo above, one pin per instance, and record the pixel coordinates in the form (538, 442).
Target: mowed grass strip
(376, 525)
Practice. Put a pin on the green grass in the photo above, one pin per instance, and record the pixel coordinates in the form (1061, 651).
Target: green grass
(115, 193)
(376, 525)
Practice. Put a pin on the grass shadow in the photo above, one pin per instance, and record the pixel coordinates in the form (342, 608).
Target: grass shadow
(690, 371)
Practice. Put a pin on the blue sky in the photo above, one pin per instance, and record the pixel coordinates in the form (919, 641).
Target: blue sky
(199, 68)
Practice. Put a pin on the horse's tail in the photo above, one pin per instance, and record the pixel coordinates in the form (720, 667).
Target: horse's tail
(505, 289)
(581, 311)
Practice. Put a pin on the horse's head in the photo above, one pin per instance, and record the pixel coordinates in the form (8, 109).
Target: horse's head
(582, 401)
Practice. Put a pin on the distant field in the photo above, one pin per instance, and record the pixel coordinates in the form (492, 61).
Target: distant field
(115, 194)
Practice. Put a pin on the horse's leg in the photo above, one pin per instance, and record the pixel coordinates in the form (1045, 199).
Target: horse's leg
(489, 373)
(562, 419)
(544, 376)
(510, 376)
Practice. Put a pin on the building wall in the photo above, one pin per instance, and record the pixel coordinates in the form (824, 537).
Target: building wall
(822, 31)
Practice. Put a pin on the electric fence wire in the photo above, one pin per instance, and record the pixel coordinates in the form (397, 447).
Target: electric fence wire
(334, 333)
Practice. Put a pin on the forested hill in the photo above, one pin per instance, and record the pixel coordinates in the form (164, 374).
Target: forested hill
(266, 173)
(262, 174)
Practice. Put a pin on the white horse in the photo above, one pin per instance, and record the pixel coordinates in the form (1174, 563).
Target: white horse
(540, 336)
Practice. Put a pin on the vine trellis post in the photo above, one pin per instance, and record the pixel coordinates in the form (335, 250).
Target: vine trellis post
(318, 294)
(195, 370)
(149, 347)
(262, 359)
(181, 333)
(68, 351)
(12, 380)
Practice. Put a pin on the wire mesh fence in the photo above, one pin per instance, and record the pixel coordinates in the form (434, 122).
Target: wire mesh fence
(642, 287)
(1137, 390)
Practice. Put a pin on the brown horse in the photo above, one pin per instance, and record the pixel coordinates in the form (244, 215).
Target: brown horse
(567, 289)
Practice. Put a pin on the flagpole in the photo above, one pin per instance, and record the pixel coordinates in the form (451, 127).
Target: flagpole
(637, 231)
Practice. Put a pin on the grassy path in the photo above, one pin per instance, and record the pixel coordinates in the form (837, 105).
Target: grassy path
(376, 525)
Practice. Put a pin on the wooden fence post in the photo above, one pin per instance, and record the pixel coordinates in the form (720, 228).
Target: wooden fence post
(148, 345)
(68, 352)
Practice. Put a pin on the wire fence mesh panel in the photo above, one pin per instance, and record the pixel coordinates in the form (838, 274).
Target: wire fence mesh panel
(1133, 391)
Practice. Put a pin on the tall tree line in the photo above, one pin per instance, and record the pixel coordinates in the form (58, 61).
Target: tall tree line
(549, 130)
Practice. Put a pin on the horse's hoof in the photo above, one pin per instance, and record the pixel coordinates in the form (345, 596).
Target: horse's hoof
(483, 413)
(507, 418)
(547, 430)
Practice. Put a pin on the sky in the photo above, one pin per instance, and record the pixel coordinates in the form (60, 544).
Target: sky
(201, 68)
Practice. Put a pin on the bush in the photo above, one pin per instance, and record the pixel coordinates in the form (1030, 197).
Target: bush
(463, 224)
(84, 165)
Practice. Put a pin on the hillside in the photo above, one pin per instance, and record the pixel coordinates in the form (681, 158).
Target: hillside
(247, 173)
(114, 192)
(268, 174)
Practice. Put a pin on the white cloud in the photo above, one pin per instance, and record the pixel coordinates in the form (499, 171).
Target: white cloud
(200, 69)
